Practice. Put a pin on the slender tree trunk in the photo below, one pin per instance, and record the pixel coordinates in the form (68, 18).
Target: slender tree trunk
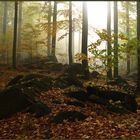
(127, 33)
(79, 42)
(49, 28)
(4, 21)
(73, 44)
(54, 28)
(85, 39)
(138, 50)
(109, 71)
(19, 24)
(4, 29)
(15, 35)
(70, 32)
(19, 30)
(116, 39)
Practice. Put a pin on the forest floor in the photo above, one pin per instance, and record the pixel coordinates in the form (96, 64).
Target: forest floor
(100, 123)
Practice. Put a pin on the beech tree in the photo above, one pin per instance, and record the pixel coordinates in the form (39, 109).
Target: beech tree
(127, 33)
(15, 35)
(109, 72)
(5, 9)
(49, 28)
(70, 32)
(138, 49)
(116, 39)
(54, 29)
(85, 39)
(19, 23)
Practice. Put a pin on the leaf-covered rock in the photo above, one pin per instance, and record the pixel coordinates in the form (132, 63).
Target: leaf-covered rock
(15, 80)
(79, 95)
(127, 100)
(13, 100)
(75, 103)
(39, 109)
(68, 115)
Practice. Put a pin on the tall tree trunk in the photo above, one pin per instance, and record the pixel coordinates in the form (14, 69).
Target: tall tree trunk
(85, 39)
(15, 35)
(127, 33)
(70, 32)
(19, 23)
(116, 39)
(4, 21)
(5, 9)
(109, 68)
(138, 50)
(54, 28)
(73, 40)
(19, 30)
(49, 29)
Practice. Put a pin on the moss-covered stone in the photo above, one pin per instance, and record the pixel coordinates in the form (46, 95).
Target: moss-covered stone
(13, 100)
(79, 95)
(96, 99)
(74, 68)
(15, 80)
(75, 103)
(68, 115)
(39, 109)
(33, 81)
(55, 66)
(56, 101)
(117, 107)
(62, 82)
(41, 84)
(128, 100)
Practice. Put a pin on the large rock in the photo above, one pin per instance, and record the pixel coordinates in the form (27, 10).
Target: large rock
(13, 100)
(79, 95)
(127, 100)
(68, 115)
(15, 80)
(118, 81)
(54, 66)
(39, 109)
(75, 68)
(66, 81)
(36, 81)
(118, 108)
(75, 103)
(20, 94)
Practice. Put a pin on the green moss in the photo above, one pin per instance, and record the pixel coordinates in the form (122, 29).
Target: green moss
(68, 115)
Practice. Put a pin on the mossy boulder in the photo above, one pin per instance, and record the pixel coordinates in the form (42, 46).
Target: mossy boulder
(79, 95)
(96, 99)
(75, 68)
(69, 116)
(36, 81)
(57, 101)
(39, 109)
(118, 108)
(75, 103)
(118, 81)
(63, 82)
(54, 66)
(14, 99)
(128, 100)
(15, 80)
(20, 93)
